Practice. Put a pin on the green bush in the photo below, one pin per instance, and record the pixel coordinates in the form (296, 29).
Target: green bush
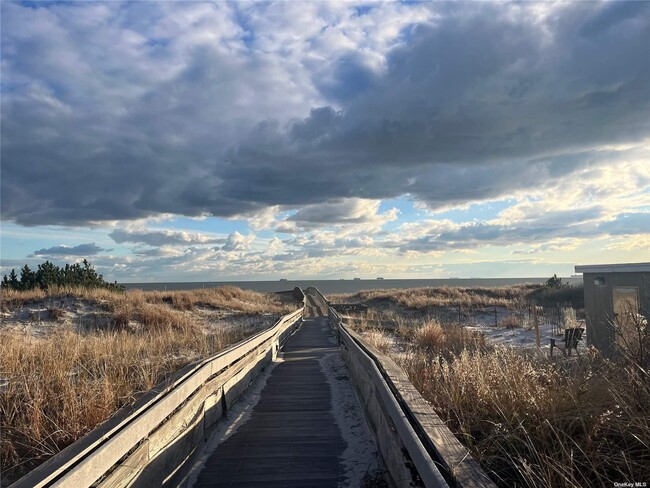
(48, 275)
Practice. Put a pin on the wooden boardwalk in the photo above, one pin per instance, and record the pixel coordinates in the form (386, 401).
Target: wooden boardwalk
(291, 438)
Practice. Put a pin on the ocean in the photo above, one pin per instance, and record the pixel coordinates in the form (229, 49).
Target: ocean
(345, 286)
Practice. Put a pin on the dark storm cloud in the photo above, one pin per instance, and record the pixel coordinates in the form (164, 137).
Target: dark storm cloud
(472, 109)
(102, 121)
(89, 249)
(343, 211)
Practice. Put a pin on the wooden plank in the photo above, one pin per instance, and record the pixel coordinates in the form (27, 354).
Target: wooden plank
(212, 408)
(176, 425)
(386, 403)
(160, 470)
(235, 386)
(454, 457)
(102, 448)
(187, 418)
(290, 436)
(128, 469)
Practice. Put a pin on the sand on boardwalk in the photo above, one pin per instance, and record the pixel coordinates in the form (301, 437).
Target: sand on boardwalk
(235, 417)
(361, 459)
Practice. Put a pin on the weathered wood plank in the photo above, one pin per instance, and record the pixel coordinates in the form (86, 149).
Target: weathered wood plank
(454, 457)
(160, 470)
(128, 469)
(212, 408)
(100, 450)
(236, 385)
(290, 436)
(383, 406)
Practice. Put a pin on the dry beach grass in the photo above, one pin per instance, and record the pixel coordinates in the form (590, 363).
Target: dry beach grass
(58, 386)
(529, 420)
(422, 298)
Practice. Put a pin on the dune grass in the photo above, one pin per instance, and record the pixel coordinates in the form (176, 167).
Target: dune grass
(227, 297)
(529, 420)
(59, 387)
(423, 299)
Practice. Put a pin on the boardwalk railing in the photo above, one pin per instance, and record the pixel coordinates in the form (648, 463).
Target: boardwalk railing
(416, 445)
(149, 443)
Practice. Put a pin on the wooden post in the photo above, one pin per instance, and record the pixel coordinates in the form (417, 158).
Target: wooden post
(496, 323)
(536, 323)
(459, 313)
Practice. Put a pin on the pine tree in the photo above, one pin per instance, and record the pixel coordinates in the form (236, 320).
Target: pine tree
(27, 278)
(13, 280)
(49, 274)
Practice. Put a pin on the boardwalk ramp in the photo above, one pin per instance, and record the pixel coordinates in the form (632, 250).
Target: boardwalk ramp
(292, 433)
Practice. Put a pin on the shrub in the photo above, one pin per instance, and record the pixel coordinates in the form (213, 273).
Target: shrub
(433, 338)
(49, 275)
(55, 313)
(510, 322)
(430, 337)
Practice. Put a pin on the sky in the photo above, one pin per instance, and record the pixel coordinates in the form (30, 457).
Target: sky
(210, 141)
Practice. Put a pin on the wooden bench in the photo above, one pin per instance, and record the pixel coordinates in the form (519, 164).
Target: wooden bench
(571, 339)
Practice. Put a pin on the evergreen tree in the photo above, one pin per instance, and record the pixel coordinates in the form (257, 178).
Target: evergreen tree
(48, 275)
(27, 278)
(13, 280)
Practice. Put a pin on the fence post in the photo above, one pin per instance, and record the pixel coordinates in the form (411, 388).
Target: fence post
(496, 323)
(536, 322)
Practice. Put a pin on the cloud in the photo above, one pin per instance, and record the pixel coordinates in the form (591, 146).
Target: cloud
(154, 237)
(286, 227)
(301, 119)
(452, 121)
(159, 252)
(141, 109)
(89, 249)
(344, 211)
(238, 242)
(555, 245)
(558, 231)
